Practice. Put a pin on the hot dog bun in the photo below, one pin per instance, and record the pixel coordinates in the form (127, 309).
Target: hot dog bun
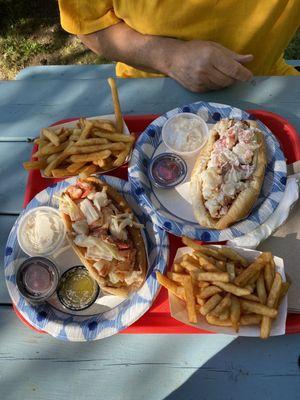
(134, 233)
(245, 199)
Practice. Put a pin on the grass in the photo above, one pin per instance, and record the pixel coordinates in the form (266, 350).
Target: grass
(30, 34)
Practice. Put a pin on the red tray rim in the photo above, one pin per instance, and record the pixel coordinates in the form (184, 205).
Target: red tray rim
(150, 320)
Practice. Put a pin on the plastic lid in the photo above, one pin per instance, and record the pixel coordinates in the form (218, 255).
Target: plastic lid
(167, 170)
(41, 231)
(37, 279)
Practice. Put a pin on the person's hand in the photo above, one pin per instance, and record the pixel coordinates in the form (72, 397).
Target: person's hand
(201, 66)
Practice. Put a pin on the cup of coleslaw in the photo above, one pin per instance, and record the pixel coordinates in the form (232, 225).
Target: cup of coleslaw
(185, 134)
(41, 231)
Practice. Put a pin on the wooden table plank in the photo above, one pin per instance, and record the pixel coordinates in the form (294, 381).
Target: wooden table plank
(13, 177)
(6, 223)
(150, 367)
(67, 72)
(28, 105)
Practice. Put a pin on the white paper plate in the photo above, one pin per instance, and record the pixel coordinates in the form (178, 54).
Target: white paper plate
(169, 210)
(111, 314)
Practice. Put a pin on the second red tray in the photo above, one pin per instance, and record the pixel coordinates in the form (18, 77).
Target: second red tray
(158, 318)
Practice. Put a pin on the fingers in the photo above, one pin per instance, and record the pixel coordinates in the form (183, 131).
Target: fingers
(219, 79)
(232, 68)
(242, 58)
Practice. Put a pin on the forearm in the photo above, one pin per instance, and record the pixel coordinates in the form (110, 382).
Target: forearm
(121, 43)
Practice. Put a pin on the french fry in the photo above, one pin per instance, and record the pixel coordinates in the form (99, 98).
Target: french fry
(55, 163)
(193, 245)
(28, 165)
(51, 149)
(225, 314)
(231, 288)
(261, 289)
(209, 291)
(74, 167)
(206, 262)
(180, 293)
(265, 327)
(52, 157)
(248, 273)
(258, 308)
(272, 301)
(221, 265)
(250, 319)
(224, 303)
(101, 155)
(88, 125)
(91, 142)
(166, 282)
(252, 281)
(235, 312)
(104, 125)
(190, 300)
(212, 320)
(87, 171)
(250, 287)
(202, 284)
(116, 137)
(61, 173)
(210, 304)
(189, 266)
(95, 148)
(177, 267)
(200, 301)
(251, 297)
(230, 267)
(233, 255)
(51, 136)
(121, 158)
(211, 252)
(176, 277)
(192, 259)
(283, 291)
(275, 290)
(272, 267)
(117, 108)
(213, 276)
(65, 135)
(268, 276)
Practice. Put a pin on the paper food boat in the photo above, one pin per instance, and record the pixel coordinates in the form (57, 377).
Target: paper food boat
(178, 308)
(73, 124)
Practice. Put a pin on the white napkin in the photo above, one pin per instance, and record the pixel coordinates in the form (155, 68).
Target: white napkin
(280, 215)
(254, 238)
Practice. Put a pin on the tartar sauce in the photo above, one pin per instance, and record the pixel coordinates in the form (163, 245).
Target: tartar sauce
(185, 133)
(41, 231)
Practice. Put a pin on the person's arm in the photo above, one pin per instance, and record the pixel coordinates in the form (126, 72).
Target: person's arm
(197, 65)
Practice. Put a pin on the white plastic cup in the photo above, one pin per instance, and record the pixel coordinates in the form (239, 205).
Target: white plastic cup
(167, 131)
(57, 243)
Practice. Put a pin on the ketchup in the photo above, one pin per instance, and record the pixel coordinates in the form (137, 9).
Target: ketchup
(167, 170)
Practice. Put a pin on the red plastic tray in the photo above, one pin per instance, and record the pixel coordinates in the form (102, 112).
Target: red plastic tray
(158, 318)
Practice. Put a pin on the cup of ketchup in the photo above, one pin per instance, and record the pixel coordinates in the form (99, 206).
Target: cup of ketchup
(167, 170)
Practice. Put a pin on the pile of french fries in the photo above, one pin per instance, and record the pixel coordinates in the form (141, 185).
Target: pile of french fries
(226, 289)
(93, 146)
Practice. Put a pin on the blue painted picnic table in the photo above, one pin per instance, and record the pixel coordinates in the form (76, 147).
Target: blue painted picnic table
(35, 366)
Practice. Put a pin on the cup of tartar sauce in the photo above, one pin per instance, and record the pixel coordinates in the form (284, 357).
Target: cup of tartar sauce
(185, 134)
(41, 231)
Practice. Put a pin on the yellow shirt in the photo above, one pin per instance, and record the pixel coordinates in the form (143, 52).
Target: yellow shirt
(259, 27)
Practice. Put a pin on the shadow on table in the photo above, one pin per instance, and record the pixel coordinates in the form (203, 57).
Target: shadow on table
(272, 372)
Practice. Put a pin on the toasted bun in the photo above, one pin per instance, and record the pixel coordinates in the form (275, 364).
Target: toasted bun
(136, 237)
(244, 202)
